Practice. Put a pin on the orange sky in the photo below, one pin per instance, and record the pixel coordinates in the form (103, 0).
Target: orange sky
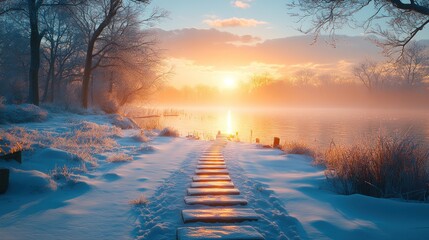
(208, 56)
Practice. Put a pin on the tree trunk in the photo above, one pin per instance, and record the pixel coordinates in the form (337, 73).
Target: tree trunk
(35, 38)
(87, 73)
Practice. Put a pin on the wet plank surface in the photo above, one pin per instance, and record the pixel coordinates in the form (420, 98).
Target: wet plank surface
(219, 215)
(212, 191)
(213, 184)
(211, 172)
(218, 233)
(216, 200)
(204, 166)
(207, 178)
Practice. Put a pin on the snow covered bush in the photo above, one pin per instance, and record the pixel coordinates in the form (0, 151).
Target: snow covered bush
(123, 122)
(119, 157)
(389, 166)
(169, 132)
(22, 113)
(109, 105)
(140, 137)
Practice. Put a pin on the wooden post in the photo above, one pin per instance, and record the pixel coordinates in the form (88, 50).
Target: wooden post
(276, 142)
(4, 180)
(17, 156)
(257, 140)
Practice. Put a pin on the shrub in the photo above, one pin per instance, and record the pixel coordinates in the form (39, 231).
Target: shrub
(123, 122)
(22, 113)
(141, 200)
(169, 132)
(119, 157)
(140, 137)
(294, 147)
(389, 166)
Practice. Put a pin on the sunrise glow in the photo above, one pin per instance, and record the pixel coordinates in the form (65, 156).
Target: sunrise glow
(229, 82)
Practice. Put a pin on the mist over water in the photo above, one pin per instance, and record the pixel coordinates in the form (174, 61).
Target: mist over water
(315, 126)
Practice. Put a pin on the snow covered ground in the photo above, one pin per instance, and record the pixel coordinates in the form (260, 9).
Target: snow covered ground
(287, 192)
(322, 213)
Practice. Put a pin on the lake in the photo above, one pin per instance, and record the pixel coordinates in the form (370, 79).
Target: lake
(317, 127)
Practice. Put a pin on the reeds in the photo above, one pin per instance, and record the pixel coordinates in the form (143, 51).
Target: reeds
(387, 166)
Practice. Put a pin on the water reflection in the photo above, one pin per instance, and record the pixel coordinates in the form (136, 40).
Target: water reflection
(228, 123)
(314, 126)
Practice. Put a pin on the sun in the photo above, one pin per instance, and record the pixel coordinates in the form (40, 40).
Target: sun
(229, 82)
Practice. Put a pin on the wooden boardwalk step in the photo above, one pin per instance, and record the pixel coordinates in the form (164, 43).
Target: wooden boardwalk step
(210, 163)
(219, 215)
(218, 233)
(208, 178)
(212, 191)
(211, 171)
(216, 200)
(211, 160)
(201, 166)
(213, 184)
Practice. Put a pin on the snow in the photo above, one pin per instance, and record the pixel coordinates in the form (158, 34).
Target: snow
(322, 213)
(56, 194)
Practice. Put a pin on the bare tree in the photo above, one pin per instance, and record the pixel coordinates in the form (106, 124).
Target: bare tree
(32, 8)
(371, 74)
(405, 19)
(258, 81)
(60, 46)
(413, 65)
(94, 18)
(304, 77)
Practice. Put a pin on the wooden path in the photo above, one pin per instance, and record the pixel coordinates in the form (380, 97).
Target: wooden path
(213, 198)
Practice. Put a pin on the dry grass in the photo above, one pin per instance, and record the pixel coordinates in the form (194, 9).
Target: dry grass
(389, 166)
(169, 132)
(295, 147)
(119, 157)
(84, 140)
(141, 200)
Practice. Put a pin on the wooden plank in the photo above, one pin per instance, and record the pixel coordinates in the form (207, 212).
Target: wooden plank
(212, 155)
(210, 163)
(216, 200)
(218, 233)
(212, 191)
(211, 166)
(211, 171)
(211, 160)
(221, 184)
(206, 178)
(219, 215)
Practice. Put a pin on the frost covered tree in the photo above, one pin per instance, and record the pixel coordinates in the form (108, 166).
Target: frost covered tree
(104, 23)
(397, 22)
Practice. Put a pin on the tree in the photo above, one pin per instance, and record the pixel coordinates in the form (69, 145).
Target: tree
(304, 77)
(258, 81)
(404, 19)
(60, 46)
(413, 65)
(94, 18)
(371, 74)
(32, 10)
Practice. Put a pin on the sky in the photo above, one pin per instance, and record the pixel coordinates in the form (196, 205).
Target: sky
(213, 41)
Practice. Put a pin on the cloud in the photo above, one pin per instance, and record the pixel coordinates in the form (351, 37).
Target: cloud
(233, 22)
(240, 4)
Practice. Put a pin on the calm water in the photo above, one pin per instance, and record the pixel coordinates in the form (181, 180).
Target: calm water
(314, 126)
